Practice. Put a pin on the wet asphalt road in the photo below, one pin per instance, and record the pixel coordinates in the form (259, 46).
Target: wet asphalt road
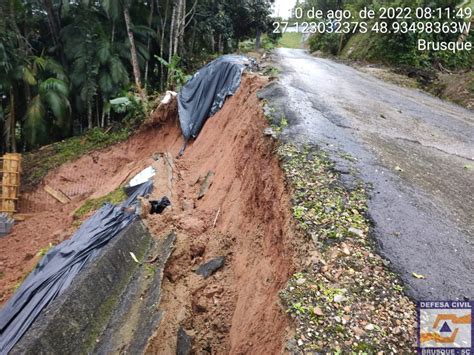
(411, 147)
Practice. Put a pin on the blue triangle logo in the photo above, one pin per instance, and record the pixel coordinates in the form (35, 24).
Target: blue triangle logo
(445, 328)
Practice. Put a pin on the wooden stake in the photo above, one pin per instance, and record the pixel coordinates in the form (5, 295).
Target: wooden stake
(215, 219)
(58, 195)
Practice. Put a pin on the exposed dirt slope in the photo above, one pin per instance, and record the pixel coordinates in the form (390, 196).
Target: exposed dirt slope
(93, 175)
(243, 216)
(236, 310)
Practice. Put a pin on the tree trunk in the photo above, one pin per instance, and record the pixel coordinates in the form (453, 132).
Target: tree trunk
(133, 52)
(10, 124)
(55, 26)
(257, 39)
(102, 118)
(341, 42)
(172, 30)
(150, 19)
(97, 115)
(182, 26)
(112, 37)
(162, 46)
(193, 37)
(89, 114)
(221, 44)
(177, 26)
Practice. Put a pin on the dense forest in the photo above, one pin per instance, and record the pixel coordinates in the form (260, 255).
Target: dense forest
(67, 66)
(398, 49)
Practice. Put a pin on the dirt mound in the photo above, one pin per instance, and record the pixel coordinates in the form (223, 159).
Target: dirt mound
(166, 111)
(228, 199)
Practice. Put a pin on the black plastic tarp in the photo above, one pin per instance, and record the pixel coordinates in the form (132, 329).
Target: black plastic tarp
(205, 93)
(60, 265)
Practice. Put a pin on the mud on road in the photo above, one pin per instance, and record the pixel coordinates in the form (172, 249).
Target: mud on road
(415, 150)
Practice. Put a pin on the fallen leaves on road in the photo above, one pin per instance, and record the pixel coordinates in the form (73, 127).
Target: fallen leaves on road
(345, 299)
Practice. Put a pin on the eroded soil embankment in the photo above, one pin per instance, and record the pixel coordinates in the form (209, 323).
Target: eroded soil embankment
(243, 216)
(237, 309)
(93, 175)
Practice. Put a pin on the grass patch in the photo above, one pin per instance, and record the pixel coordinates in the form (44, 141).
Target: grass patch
(42, 252)
(37, 164)
(271, 71)
(150, 270)
(93, 204)
(291, 40)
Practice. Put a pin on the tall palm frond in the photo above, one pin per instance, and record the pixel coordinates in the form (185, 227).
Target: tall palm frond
(53, 85)
(35, 125)
(60, 107)
(112, 8)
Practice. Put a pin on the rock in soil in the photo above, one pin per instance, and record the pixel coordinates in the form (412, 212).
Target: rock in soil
(207, 269)
(206, 184)
(184, 342)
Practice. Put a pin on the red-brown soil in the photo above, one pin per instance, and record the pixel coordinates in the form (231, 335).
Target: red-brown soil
(237, 309)
(243, 216)
(93, 175)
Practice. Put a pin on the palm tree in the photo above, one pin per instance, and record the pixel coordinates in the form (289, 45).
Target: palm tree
(113, 8)
(97, 71)
(12, 60)
(50, 107)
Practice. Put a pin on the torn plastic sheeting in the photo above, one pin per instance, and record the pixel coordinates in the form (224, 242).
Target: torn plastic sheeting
(205, 93)
(56, 271)
(157, 207)
(143, 176)
(168, 97)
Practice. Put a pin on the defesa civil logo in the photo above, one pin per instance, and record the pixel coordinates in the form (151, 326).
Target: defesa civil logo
(445, 327)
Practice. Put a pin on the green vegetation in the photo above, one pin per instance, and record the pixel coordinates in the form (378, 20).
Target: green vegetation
(42, 252)
(277, 122)
(150, 270)
(291, 40)
(115, 197)
(397, 48)
(271, 71)
(69, 66)
(268, 43)
(176, 75)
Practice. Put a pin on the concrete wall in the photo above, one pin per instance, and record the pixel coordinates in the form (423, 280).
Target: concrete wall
(73, 323)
